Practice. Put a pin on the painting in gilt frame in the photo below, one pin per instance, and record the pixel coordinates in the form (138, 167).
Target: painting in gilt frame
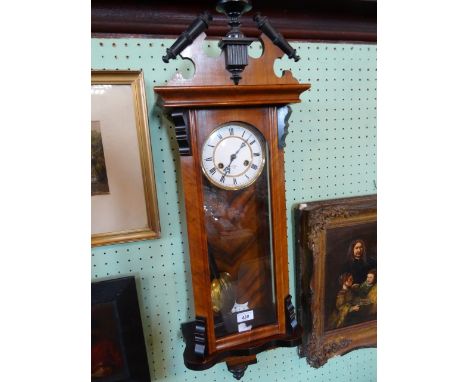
(118, 351)
(336, 260)
(123, 189)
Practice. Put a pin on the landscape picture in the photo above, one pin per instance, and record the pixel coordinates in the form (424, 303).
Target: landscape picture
(99, 183)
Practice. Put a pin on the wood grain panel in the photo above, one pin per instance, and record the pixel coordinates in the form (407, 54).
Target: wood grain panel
(337, 20)
(191, 178)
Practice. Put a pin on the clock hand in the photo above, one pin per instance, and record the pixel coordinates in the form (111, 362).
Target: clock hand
(241, 146)
(233, 156)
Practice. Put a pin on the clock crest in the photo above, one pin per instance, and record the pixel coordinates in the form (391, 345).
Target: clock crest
(231, 145)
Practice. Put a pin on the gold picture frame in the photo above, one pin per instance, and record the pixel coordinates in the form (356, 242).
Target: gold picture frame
(124, 204)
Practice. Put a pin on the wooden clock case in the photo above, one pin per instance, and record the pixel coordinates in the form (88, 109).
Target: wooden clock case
(198, 105)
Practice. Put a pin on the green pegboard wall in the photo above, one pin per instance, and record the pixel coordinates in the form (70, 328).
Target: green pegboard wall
(330, 153)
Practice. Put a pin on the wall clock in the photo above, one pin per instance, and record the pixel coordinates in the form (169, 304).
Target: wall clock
(230, 132)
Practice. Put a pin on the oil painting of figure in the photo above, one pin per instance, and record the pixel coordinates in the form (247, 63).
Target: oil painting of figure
(351, 275)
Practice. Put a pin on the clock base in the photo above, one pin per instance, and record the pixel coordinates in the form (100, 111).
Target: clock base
(238, 365)
(194, 361)
(196, 356)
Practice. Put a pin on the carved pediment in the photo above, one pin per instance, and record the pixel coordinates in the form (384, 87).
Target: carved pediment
(211, 84)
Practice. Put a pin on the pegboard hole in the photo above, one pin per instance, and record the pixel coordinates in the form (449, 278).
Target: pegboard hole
(256, 49)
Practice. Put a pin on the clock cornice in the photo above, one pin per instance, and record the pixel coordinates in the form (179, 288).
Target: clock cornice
(210, 86)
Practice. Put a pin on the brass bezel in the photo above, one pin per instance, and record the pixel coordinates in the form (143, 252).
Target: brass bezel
(261, 141)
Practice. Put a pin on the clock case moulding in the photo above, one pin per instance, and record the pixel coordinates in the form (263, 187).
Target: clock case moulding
(206, 99)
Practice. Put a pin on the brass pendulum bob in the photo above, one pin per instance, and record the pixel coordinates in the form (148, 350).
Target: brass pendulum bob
(222, 290)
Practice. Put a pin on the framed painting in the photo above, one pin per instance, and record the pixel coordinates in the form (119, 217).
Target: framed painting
(123, 190)
(118, 351)
(336, 263)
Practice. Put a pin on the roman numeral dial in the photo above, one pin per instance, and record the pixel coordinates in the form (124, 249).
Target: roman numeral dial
(233, 156)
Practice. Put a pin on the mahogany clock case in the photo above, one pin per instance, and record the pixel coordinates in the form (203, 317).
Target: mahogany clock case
(237, 232)
(234, 227)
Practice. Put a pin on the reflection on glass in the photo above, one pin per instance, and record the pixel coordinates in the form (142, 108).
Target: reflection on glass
(240, 256)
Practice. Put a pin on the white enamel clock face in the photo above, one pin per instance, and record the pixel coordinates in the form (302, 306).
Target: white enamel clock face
(233, 156)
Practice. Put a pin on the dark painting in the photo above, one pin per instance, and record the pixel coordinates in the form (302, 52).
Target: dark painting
(107, 357)
(118, 351)
(336, 258)
(99, 183)
(351, 275)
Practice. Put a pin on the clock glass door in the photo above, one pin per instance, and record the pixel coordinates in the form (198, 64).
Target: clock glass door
(237, 218)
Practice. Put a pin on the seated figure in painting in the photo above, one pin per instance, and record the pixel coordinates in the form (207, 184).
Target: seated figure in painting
(369, 284)
(372, 294)
(365, 295)
(344, 301)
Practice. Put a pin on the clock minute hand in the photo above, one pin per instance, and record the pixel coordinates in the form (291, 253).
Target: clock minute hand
(233, 156)
(237, 152)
